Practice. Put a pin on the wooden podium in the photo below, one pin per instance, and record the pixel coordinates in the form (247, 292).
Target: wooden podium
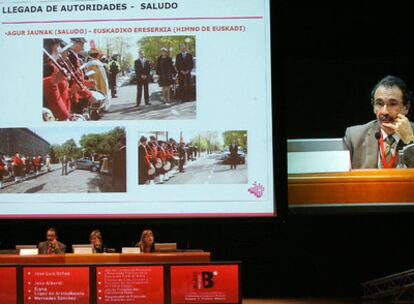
(105, 258)
(354, 187)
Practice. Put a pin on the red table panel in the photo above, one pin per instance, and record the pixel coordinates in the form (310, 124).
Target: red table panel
(130, 284)
(204, 284)
(61, 285)
(8, 285)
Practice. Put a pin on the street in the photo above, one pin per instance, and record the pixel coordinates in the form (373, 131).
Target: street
(124, 106)
(208, 169)
(77, 181)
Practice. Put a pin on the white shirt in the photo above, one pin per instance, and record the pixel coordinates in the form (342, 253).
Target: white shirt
(142, 61)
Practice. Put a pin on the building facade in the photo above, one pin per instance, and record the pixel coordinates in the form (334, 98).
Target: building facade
(23, 141)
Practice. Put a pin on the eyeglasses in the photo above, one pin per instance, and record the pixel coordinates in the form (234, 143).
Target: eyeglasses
(393, 104)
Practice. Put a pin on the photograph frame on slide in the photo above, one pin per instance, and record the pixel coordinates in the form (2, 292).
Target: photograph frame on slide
(95, 87)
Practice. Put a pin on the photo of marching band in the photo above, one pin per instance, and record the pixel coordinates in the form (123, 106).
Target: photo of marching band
(120, 78)
(210, 157)
(62, 160)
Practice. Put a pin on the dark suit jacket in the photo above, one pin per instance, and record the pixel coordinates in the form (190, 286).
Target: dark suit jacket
(233, 150)
(43, 248)
(142, 70)
(184, 64)
(361, 142)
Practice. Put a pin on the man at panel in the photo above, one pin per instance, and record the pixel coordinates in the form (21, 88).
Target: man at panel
(95, 239)
(377, 143)
(146, 243)
(52, 245)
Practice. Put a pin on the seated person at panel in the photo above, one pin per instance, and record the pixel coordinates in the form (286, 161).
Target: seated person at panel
(146, 243)
(376, 144)
(95, 239)
(52, 245)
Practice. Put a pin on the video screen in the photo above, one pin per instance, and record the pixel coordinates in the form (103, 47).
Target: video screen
(362, 153)
(126, 110)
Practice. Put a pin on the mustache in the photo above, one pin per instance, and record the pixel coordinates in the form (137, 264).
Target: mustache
(386, 118)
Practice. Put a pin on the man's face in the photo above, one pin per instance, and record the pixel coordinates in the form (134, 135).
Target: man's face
(388, 103)
(51, 235)
(141, 54)
(78, 47)
(183, 48)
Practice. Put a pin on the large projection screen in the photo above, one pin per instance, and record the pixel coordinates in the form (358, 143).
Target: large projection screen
(76, 141)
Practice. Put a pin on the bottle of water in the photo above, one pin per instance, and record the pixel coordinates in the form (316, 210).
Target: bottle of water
(400, 160)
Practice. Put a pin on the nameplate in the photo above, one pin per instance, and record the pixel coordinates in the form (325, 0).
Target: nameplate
(131, 250)
(318, 162)
(31, 251)
(81, 250)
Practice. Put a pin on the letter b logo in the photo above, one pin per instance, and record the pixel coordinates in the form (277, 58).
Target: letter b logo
(207, 279)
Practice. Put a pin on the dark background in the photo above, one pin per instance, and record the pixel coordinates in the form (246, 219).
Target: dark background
(326, 58)
(330, 56)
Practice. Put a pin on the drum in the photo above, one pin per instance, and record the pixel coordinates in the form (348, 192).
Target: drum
(47, 115)
(167, 166)
(158, 164)
(78, 117)
(100, 97)
(151, 170)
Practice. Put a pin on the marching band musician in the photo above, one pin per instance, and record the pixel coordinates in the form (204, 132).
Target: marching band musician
(55, 84)
(100, 77)
(161, 158)
(83, 96)
(18, 166)
(37, 163)
(153, 149)
(3, 166)
(157, 159)
(181, 155)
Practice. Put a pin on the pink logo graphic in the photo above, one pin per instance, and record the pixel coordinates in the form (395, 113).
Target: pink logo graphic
(257, 189)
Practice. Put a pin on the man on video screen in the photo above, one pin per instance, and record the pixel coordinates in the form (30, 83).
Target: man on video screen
(377, 143)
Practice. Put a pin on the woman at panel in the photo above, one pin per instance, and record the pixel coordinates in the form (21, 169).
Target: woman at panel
(95, 239)
(146, 243)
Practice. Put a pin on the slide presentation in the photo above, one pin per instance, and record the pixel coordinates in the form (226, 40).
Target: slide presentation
(127, 109)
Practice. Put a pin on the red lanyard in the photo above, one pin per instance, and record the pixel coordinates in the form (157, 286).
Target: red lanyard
(386, 164)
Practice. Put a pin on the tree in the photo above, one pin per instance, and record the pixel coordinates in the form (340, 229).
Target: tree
(239, 136)
(119, 45)
(101, 142)
(68, 148)
(54, 153)
(152, 46)
(206, 141)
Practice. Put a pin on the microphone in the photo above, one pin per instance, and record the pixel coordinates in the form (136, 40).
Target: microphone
(377, 135)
